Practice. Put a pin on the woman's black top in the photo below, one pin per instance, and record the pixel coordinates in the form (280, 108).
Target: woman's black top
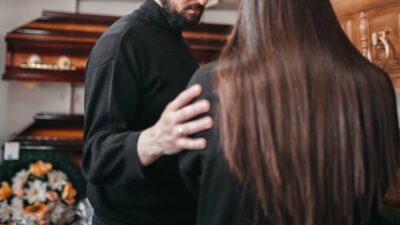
(222, 200)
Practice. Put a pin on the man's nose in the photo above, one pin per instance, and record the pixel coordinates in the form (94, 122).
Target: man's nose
(203, 2)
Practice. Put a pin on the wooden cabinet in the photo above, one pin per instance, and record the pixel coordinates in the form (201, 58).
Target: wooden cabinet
(374, 28)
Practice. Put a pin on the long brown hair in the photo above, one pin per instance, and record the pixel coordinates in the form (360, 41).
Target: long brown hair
(306, 121)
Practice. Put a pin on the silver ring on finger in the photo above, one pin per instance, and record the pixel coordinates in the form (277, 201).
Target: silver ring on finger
(180, 131)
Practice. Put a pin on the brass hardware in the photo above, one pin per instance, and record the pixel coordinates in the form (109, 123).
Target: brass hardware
(380, 41)
(35, 62)
(34, 59)
(64, 62)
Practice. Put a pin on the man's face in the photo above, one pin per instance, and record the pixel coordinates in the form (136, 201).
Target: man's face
(184, 13)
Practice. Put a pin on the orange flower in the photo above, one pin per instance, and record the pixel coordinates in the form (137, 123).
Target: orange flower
(68, 194)
(36, 209)
(5, 190)
(40, 168)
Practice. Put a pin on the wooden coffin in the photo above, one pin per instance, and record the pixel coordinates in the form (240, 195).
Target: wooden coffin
(54, 132)
(55, 46)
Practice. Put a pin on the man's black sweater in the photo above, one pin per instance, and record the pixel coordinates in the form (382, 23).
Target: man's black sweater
(136, 68)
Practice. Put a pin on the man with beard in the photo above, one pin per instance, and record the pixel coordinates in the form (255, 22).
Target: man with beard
(138, 66)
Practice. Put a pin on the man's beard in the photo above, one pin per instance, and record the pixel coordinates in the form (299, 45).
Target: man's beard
(178, 20)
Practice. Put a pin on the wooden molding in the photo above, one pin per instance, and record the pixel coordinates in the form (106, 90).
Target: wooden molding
(347, 8)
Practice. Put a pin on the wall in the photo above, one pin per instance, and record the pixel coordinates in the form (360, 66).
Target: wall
(112, 7)
(19, 102)
(124, 7)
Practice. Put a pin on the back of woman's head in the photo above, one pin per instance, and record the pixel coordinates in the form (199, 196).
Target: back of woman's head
(306, 121)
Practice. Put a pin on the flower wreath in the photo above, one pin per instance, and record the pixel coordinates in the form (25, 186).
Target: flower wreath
(42, 187)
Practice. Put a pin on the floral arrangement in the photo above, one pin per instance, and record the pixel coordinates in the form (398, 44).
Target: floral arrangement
(38, 194)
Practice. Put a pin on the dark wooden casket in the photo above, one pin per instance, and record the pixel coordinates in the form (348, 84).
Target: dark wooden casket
(55, 46)
(54, 132)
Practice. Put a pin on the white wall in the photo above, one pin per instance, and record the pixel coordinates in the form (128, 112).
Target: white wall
(112, 7)
(27, 99)
(219, 16)
(19, 102)
(124, 7)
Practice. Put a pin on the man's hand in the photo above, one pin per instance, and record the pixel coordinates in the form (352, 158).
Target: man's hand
(169, 135)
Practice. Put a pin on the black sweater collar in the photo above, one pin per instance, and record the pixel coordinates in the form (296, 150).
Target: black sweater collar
(156, 14)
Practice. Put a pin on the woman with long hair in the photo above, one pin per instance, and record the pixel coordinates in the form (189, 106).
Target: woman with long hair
(306, 128)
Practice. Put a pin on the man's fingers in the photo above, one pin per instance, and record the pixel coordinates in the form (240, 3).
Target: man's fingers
(196, 126)
(192, 110)
(185, 97)
(191, 144)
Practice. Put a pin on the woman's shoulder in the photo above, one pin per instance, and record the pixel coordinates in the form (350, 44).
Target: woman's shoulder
(204, 77)
(204, 74)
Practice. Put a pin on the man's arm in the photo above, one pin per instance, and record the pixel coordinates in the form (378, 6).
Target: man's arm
(112, 96)
(113, 153)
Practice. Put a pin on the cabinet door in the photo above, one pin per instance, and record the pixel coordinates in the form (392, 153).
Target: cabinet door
(374, 28)
(376, 33)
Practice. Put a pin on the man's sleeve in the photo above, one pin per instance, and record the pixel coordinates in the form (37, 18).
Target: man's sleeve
(112, 99)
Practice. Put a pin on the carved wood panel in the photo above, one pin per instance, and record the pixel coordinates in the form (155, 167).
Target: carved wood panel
(374, 28)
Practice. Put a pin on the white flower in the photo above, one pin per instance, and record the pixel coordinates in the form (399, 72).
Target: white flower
(60, 214)
(19, 180)
(4, 211)
(56, 180)
(17, 207)
(36, 192)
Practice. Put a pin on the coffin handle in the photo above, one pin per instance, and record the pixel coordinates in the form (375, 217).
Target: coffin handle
(379, 39)
(34, 61)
